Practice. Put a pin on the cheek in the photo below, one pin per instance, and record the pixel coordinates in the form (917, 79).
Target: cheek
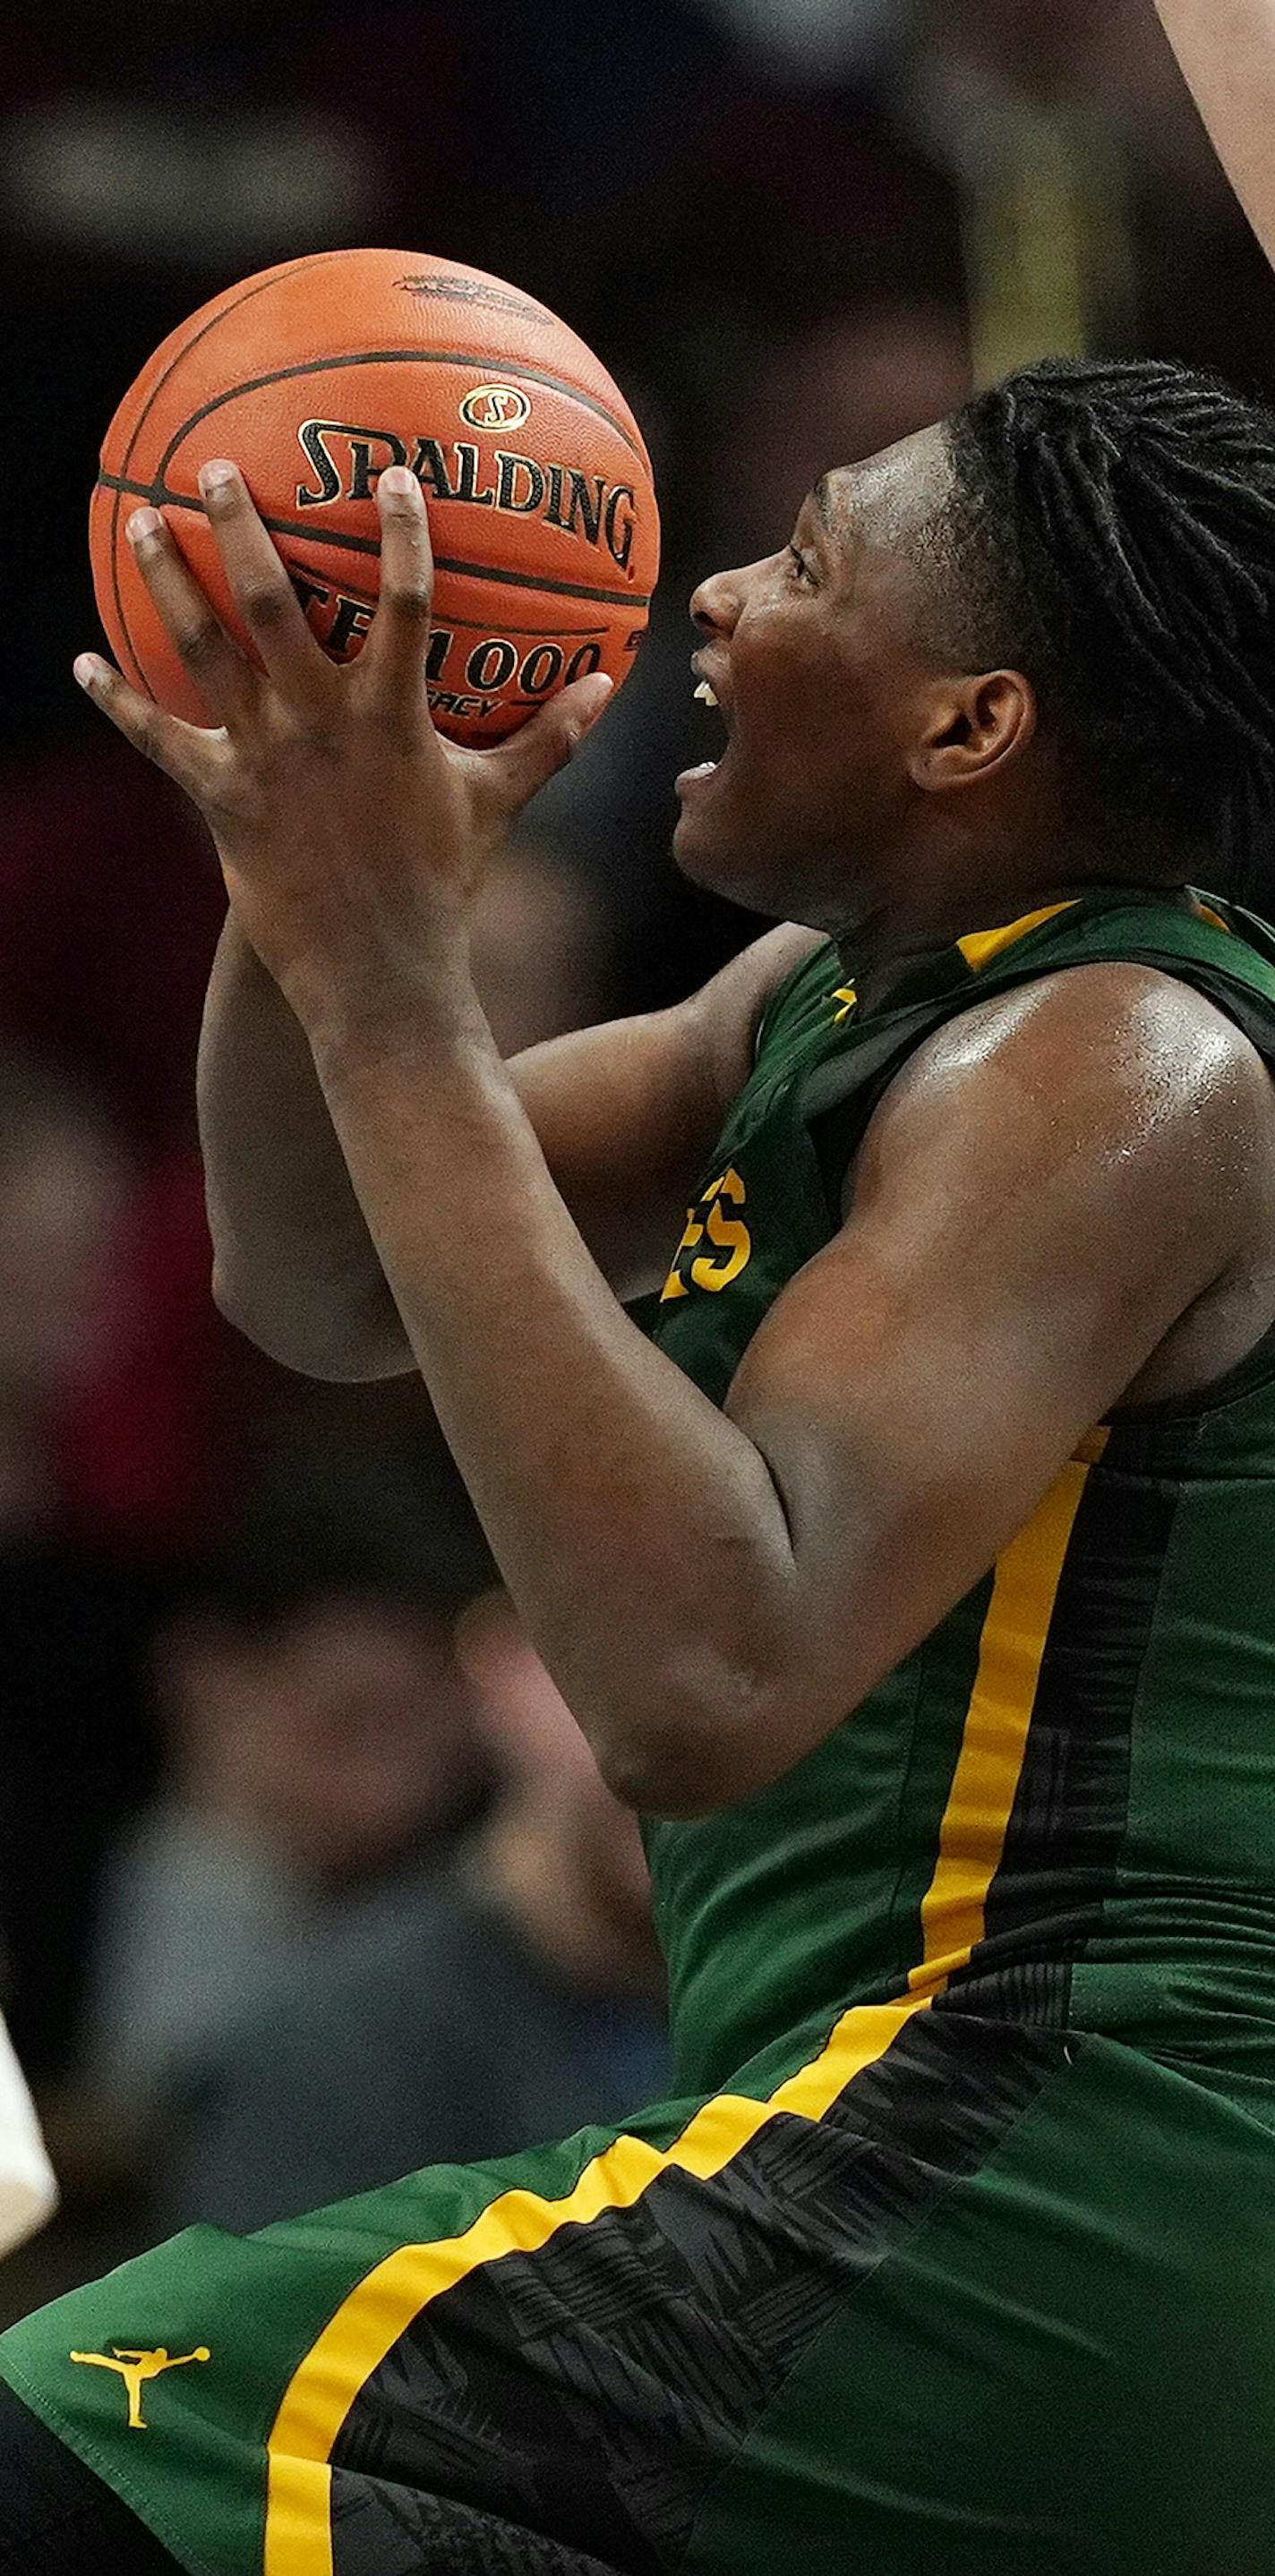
(823, 745)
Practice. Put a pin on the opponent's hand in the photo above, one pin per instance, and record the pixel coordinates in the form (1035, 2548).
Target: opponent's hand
(352, 837)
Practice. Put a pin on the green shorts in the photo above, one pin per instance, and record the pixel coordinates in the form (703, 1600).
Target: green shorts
(936, 2296)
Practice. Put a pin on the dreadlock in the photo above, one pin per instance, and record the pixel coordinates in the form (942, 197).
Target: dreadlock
(1112, 530)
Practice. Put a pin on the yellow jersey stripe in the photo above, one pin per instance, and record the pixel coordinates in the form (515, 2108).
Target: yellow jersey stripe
(997, 1721)
(980, 946)
(370, 2321)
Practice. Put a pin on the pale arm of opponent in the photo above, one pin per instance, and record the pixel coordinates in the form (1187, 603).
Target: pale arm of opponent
(1035, 1206)
(1227, 52)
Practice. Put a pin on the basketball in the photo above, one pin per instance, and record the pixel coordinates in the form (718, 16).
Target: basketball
(316, 375)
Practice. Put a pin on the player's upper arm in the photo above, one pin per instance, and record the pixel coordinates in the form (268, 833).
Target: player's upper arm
(628, 1114)
(1044, 1191)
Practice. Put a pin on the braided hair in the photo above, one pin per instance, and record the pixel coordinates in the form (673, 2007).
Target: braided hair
(1111, 530)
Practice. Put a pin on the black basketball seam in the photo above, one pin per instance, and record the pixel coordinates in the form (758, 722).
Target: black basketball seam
(402, 357)
(483, 625)
(475, 625)
(129, 652)
(258, 287)
(161, 497)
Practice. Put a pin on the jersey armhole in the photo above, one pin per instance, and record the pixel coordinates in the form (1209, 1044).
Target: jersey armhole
(777, 1004)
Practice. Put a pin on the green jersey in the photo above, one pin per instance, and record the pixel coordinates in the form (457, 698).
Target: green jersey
(974, 2011)
(1061, 1807)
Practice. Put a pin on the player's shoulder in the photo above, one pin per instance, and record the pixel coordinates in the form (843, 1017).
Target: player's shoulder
(1101, 1020)
(1117, 1056)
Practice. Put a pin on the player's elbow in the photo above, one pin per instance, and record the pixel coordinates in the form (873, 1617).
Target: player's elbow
(659, 1781)
(706, 1751)
(339, 1350)
(716, 1726)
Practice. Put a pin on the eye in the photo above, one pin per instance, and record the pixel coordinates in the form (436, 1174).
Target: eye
(798, 565)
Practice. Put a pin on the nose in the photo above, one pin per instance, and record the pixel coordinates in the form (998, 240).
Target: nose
(716, 604)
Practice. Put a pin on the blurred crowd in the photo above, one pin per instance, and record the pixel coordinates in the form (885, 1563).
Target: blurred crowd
(305, 1876)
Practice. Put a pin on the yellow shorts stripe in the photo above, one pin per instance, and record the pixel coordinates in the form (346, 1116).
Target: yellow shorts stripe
(370, 2321)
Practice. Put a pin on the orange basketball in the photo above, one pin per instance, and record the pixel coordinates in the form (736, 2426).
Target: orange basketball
(316, 375)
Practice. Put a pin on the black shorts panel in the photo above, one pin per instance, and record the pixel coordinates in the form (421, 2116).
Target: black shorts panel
(56, 2518)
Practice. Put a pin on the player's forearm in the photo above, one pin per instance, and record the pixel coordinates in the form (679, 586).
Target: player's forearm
(294, 1265)
(1227, 52)
(639, 1530)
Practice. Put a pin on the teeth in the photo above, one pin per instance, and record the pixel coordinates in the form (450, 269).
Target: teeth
(708, 695)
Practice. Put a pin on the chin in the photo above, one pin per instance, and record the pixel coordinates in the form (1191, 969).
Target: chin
(722, 867)
(729, 884)
(757, 881)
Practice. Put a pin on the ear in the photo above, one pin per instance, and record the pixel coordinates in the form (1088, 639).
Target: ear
(972, 728)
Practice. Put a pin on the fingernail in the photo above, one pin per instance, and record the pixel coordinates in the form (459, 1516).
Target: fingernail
(143, 524)
(399, 481)
(86, 667)
(214, 476)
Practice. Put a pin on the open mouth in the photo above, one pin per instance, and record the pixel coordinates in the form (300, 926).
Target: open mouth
(706, 769)
(708, 696)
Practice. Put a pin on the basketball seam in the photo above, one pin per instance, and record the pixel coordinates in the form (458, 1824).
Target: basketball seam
(161, 496)
(257, 287)
(400, 357)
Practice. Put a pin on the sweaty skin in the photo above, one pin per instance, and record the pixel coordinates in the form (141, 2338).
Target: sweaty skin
(1043, 1202)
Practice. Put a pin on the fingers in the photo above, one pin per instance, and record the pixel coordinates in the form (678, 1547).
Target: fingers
(184, 752)
(260, 587)
(393, 658)
(514, 770)
(222, 674)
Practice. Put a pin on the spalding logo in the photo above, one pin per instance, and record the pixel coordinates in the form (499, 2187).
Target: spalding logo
(495, 407)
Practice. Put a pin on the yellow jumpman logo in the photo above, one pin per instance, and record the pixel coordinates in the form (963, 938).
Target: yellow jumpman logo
(134, 2367)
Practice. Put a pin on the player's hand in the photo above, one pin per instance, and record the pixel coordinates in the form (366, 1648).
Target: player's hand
(352, 837)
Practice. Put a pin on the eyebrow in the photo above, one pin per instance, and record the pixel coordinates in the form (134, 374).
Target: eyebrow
(822, 498)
